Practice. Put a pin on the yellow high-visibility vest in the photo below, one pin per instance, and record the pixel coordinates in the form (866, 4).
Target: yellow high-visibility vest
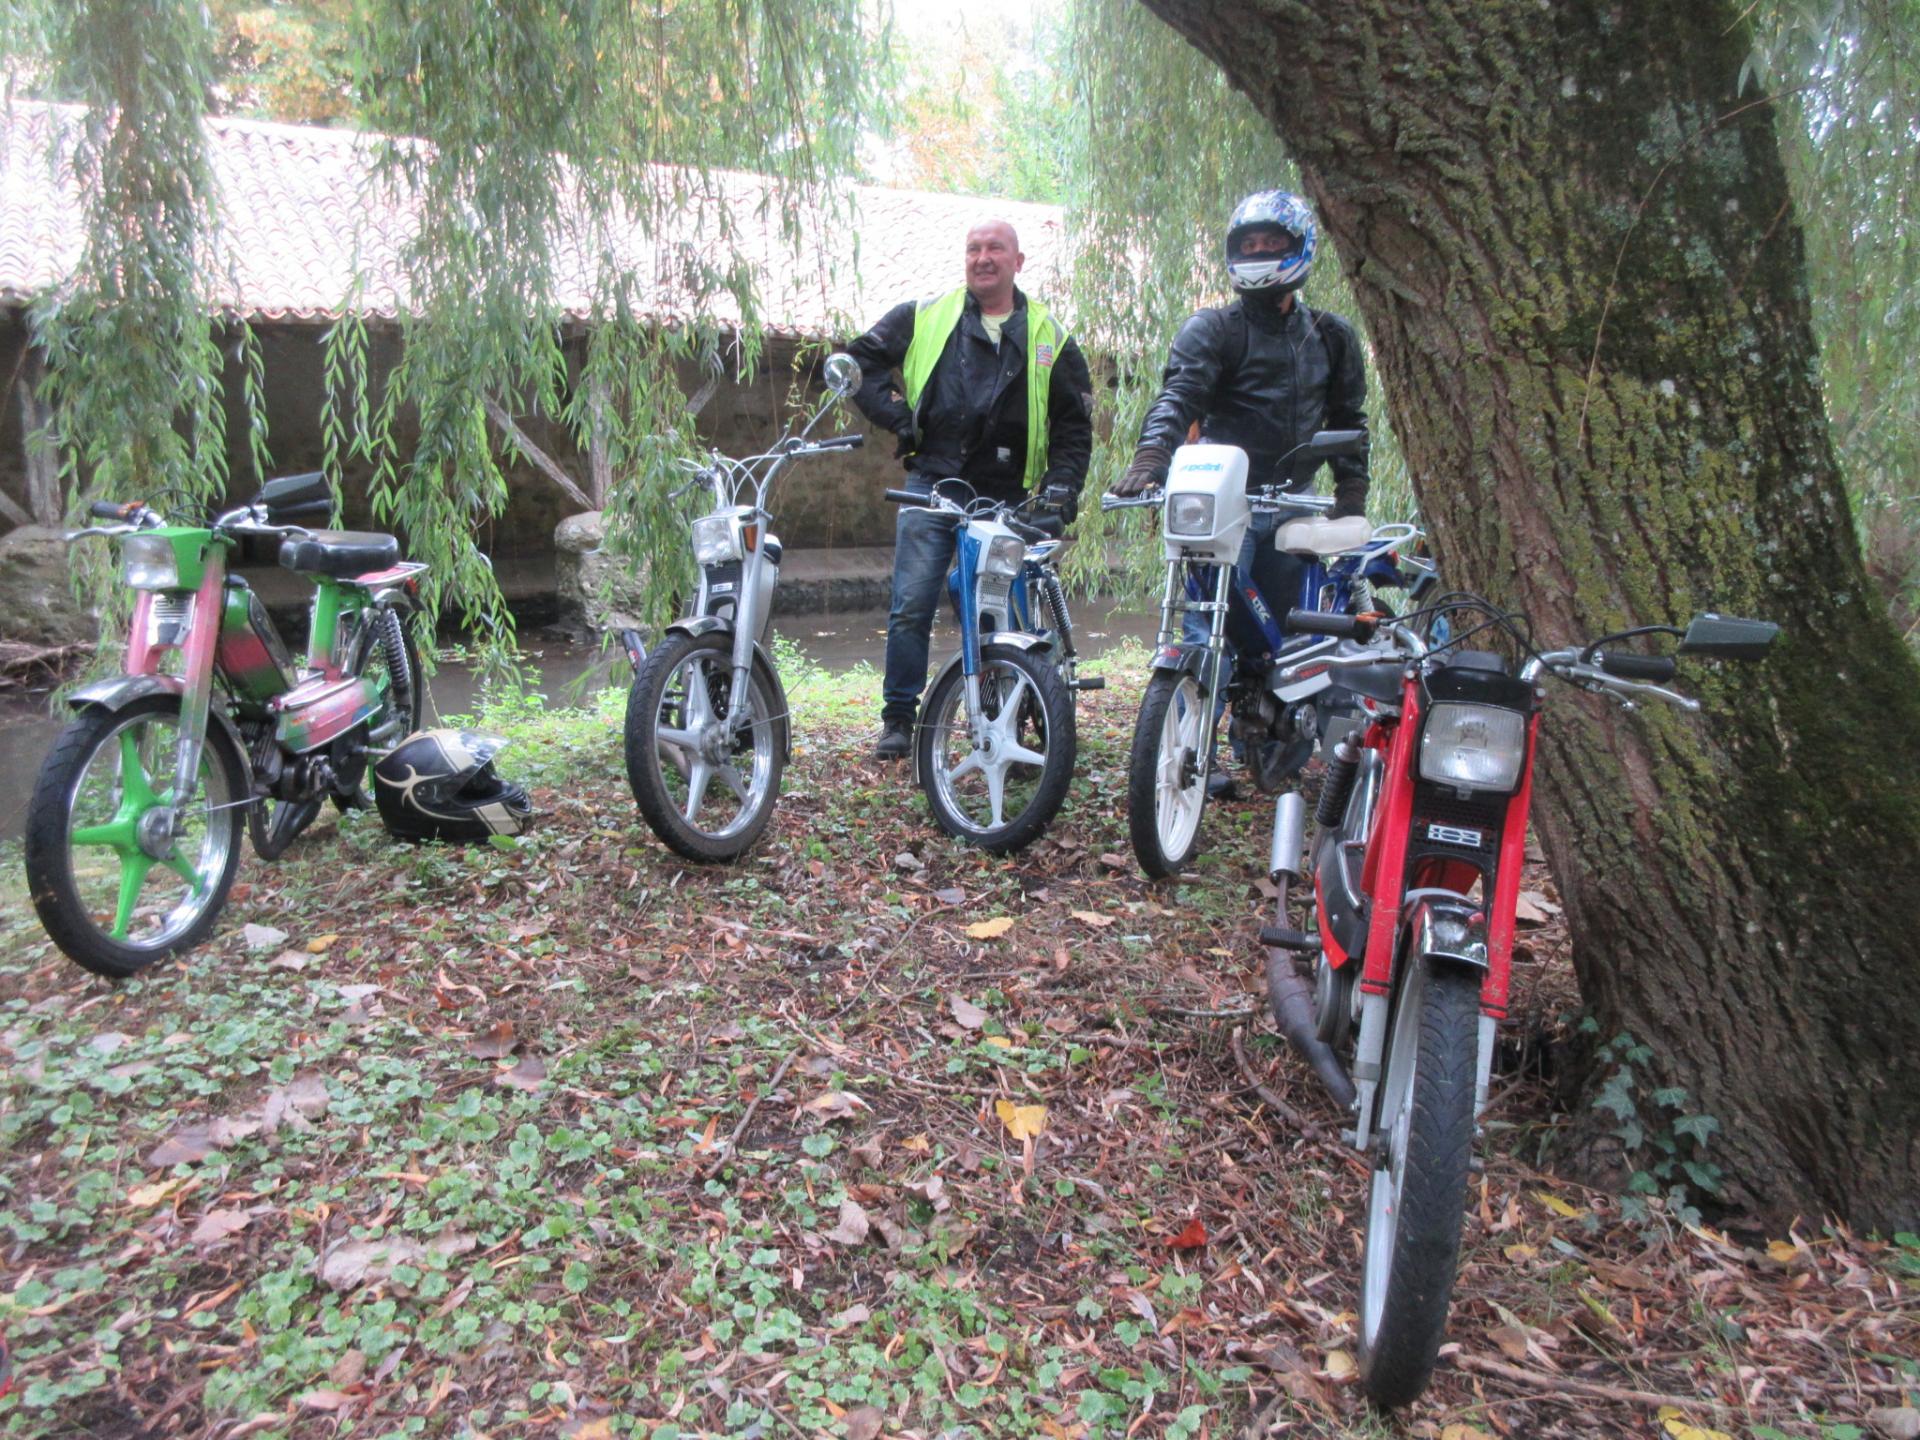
(933, 323)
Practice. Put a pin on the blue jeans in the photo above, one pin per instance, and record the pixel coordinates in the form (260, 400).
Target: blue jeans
(1278, 576)
(923, 546)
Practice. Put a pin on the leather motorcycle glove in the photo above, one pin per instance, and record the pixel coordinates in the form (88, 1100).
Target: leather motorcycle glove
(1147, 472)
(906, 443)
(1061, 500)
(1348, 500)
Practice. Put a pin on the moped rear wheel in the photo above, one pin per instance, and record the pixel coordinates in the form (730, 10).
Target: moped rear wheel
(1167, 773)
(1001, 791)
(705, 787)
(1418, 1198)
(114, 890)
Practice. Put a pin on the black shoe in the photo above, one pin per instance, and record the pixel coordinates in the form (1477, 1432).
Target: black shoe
(1220, 786)
(896, 739)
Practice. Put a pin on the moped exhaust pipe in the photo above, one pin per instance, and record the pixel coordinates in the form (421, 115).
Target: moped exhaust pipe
(1287, 990)
(1292, 1001)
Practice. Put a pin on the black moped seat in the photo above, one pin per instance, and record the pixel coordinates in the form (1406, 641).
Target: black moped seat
(339, 554)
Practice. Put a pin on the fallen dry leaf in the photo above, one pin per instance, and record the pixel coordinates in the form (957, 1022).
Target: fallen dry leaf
(1676, 1424)
(1557, 1205)
(836, 1105)
(494, 1044)
(145, 1196)
(853, 1225)
(1191, 1237)
(863, 1422)
(990, 929)
(529, 1075)
(218, 1225)
(1023, 1122)
(1087, 917)
(356, 1262)
(966, 1013)
(1339, 1365)
(328, 1400)
(262, 937)
(320, 944)
(295, 1105)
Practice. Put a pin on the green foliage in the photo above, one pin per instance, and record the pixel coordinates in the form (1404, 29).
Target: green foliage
(1664, 1141)
(287, 60)
(1847, 77)
(1173, 148)
(133, 366)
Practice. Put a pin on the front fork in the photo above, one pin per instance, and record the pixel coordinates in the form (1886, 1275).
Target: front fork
(1174, 607)
(196, 696)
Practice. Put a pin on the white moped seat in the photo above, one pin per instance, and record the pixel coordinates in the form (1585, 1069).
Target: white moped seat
(1317, 535)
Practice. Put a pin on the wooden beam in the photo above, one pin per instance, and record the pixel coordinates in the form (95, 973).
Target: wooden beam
(542, 461)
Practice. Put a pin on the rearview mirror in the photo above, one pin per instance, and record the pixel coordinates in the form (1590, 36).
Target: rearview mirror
(842, 374)
(1328, 443)
(1723, 637)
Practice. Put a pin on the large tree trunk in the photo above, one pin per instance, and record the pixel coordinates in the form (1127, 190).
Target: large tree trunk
(1571, 238)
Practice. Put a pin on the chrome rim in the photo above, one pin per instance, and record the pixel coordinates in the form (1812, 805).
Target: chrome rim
(986, 784)
(1389, 1179)
(1177, 805)
(136, 889)
(716, 777)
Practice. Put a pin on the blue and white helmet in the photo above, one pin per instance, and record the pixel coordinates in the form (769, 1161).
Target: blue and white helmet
(1271, 210)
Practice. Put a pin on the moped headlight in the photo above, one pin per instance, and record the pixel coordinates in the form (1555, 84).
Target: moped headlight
(148, 562)
(1004, 554)
(1473, 747)
(715, 541)
(1190, 515)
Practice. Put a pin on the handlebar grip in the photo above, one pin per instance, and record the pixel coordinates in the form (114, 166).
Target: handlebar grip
(1656, 668)
(108, 510)
(841, 442)
(906, 497)
(1319, 622)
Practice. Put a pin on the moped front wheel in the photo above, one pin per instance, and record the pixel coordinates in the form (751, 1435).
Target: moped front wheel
(1000, 782)
(704, 785)
(115, 885)
(1167, 773)
(1418, 1199)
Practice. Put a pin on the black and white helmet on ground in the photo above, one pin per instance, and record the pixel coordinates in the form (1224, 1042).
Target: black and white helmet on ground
(441, 785)
(1274, 271)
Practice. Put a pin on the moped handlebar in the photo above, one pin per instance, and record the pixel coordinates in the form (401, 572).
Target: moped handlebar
(839, 442)
(113, 509)
(1657, 668)
(1111, 501)
(906, 497)
(1344, 627)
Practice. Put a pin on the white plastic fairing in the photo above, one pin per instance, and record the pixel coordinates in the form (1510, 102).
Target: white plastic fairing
(1220, 473)
(1317, 535)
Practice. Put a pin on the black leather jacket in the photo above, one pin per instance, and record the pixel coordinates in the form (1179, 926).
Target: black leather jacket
(973, 415)
(1266, 382)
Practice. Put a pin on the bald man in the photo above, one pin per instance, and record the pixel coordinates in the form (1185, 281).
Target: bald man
(982, 385)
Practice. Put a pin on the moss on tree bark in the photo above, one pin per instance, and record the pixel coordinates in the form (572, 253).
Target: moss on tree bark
(1571, 238)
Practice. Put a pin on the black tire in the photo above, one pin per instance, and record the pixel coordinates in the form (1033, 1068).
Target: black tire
(683, 673)
(72, 787)
(399, 718)
(1418, 1199)
(1167, 773)
(1030, 707)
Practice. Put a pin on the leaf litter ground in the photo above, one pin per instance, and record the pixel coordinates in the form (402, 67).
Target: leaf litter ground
(868, 1135)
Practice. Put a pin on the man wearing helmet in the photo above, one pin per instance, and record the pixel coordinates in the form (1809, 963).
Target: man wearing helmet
(1264, 373)
(980, 385)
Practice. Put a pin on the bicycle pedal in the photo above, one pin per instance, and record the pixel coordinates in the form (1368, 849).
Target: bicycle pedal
(1091, 682)
(1281, 937)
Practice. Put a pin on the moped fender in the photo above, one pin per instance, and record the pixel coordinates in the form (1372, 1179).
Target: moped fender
(1180, 657)
(116, 692)
(698, 625)
(1447, 929)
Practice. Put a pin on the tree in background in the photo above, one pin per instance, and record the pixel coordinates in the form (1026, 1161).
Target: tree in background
(1570, 233)
(288, 60)
(522, 121)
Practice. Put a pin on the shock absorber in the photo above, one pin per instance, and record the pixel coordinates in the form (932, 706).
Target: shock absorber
(1338, 786)
(1055, 597)
(393, 639)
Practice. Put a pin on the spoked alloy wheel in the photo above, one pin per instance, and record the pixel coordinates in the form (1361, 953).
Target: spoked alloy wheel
(1419, 1196)
(1167, 773)
(113, 888)
(1001, 788)
(707, 789)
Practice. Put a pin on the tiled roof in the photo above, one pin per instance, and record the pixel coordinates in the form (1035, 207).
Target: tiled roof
(296, 206)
